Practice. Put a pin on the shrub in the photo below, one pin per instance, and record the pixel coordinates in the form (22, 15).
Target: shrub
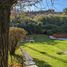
(49, 32)
(15, 35)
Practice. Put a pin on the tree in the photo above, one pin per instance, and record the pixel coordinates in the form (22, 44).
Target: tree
(65, 10)
(15, 36)
(5, 6)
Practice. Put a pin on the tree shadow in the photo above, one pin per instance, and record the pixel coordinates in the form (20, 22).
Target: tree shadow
(40, 63)
(45, 39)
(54, 57)
(45, 53)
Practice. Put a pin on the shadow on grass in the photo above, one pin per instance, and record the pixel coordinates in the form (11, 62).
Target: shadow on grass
(49, 41)
(54, 57)
(42, 39)
(40, 63)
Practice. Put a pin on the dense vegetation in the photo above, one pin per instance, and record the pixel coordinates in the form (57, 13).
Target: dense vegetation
(42, 24)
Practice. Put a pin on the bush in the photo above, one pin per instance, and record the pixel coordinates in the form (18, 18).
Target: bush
(49, 32)
(51, 28)
(15, 35)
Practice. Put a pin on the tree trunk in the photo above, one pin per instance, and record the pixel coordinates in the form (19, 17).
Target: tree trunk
(4, 33)
(13, 47)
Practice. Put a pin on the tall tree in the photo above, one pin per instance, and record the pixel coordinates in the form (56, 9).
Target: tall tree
(5, 6)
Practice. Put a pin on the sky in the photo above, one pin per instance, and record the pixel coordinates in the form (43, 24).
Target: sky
(58, 5)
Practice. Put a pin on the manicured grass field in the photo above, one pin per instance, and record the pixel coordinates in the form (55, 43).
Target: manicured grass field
(44, 51)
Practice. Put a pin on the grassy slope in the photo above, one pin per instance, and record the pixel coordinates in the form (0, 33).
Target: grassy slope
(44, 51)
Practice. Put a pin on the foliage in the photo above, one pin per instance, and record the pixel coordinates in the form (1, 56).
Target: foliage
(15, 35)
(65, 10)
(41, 24)
(53, 23)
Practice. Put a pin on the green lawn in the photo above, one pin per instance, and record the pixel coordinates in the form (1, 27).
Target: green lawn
(44, 51)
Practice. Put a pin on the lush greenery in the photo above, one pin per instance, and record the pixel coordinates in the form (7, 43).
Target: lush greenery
(45, 51)
(42, 24)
